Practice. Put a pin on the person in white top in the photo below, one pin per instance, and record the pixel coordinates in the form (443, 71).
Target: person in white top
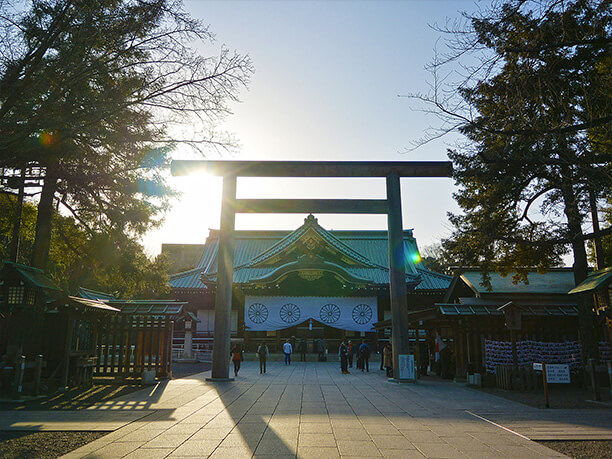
(288, 350)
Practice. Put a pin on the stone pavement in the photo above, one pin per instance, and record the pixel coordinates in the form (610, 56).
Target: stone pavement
(310, 410)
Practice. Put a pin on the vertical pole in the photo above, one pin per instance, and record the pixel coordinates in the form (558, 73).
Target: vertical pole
(225, 274)
(14, 255)
(397, 273)
(66, 356)
(417, 353)
(594, 381)
(38, 374)
(545, 382)
(514, 350)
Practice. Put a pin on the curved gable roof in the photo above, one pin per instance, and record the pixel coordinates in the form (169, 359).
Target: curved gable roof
(310, 226)
(254, 250)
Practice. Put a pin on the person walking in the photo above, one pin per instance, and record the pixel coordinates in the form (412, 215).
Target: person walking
(344, 352)
(381, 351)
(288, 350)
(351, 350)
(302, 348)
(364, 355)
(262, 353)
(388, 360)
(237, 358)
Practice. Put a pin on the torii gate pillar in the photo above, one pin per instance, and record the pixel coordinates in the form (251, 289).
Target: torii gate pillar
(225, 278)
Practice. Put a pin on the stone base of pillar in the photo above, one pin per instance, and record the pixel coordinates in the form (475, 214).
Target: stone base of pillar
(401, 381)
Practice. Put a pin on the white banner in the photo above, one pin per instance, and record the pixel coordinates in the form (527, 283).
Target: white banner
(264, 313)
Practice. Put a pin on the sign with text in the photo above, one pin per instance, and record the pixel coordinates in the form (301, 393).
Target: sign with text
(406, 367)
(558, 373)
(537, 366)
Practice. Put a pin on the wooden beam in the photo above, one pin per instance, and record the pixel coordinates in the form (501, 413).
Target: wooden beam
(306, 206)
(314, 168)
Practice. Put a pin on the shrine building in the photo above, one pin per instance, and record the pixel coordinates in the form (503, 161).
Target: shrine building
(310, 283)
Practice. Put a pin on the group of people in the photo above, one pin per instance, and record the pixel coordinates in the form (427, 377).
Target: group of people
(262, 353)
(348, 352)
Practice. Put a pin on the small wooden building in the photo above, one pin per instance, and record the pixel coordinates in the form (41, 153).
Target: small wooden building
(38, 319)
(598, 285)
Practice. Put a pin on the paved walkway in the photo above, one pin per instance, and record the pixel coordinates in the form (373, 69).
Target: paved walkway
(310, 410)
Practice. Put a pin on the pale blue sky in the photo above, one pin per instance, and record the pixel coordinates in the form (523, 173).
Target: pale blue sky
(326, 85)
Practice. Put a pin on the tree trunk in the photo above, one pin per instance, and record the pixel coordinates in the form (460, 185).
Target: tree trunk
(574, 224)
(588, 331)
(42, 241)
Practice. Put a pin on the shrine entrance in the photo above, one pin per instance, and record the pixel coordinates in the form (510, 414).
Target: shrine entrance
(391, 206)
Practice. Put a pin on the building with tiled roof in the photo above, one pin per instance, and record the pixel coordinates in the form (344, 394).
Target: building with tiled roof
(331, 283)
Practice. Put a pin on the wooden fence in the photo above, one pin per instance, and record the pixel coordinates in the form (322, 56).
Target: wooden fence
(509, 377)
(128, 345)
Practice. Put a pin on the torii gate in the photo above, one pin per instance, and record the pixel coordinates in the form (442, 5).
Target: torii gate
(391, 206)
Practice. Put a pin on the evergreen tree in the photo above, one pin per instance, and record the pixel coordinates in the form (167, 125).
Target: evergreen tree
(536, 109)
(110, 263)
(92, 95)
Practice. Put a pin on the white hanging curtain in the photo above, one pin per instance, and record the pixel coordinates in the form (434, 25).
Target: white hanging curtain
(266, 313)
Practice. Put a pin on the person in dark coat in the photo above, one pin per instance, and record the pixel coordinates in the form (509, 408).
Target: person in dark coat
(388, 360)
(344, 353)
(321, 350)
(381, 351)
(302, 348)
(364, 356)
(262, 353)
(351, 353)
(237, 358)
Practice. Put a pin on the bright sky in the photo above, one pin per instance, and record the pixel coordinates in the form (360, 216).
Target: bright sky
(326, 85)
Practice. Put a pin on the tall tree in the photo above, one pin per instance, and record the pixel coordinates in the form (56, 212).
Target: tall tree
(535, 104)
(107, 262)
(92, 95)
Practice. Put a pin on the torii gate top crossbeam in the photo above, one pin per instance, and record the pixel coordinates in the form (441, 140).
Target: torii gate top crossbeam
(315, 168)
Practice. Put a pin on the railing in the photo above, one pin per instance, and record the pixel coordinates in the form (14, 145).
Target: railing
(509, 377)
(201, 349)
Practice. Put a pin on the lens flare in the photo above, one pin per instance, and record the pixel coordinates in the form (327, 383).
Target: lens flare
(46, 138)
(416, 257)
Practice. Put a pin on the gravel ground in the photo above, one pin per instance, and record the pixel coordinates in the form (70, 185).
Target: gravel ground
(30, 445)
(587, 449)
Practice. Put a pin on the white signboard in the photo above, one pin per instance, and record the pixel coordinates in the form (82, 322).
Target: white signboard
(406, 367)
(537, 366)
(558, 373)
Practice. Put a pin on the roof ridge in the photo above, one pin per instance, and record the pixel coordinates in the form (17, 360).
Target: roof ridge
(184, 273)
(309, 222)
(429, 271)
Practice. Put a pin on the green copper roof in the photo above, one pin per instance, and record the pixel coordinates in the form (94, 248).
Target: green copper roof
(554, 281)
(155, 308)
(95, 295)
(34, 277)
(258, 253)
(594, 281)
